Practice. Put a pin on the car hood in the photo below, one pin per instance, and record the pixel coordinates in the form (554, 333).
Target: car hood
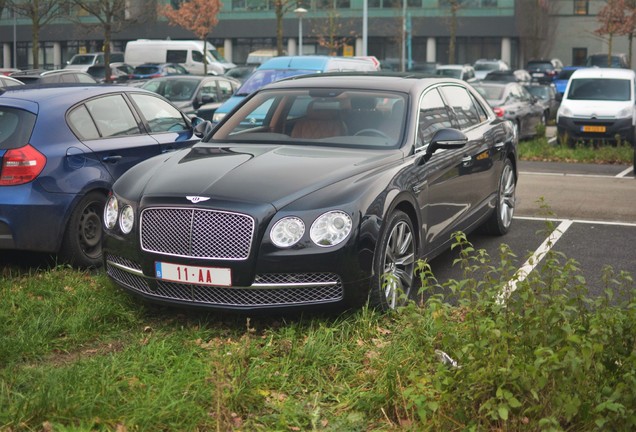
(595, 108)
(273, 174)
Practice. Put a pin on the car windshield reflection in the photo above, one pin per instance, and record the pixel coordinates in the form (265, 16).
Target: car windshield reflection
(347, 118)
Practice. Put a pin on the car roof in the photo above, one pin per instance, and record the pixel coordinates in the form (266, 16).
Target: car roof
(596, 72)
(401, 82)
(53, 95)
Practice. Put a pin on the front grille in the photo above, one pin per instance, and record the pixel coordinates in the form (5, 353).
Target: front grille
(282, 289)
(197, 233)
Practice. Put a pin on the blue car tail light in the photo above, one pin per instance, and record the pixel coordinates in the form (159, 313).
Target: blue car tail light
(21, 165)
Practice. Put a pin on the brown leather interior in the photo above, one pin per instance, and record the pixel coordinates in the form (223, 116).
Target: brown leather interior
(322, 121)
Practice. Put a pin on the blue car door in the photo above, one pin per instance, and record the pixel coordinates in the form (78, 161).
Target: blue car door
(108, 127)
(165, 123)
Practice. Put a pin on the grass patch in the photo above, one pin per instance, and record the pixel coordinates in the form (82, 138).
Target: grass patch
(540, 150)
(77, 354)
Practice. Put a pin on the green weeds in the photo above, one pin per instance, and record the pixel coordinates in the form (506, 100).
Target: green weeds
(77, 354)
(540, 150)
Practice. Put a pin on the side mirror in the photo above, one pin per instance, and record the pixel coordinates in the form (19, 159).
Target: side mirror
(202, 128)
(445, 139)
(207, 98)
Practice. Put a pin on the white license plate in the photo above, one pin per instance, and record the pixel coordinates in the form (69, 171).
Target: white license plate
(216, 276)
(537, 74)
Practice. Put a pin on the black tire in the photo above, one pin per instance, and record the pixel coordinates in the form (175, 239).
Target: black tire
(501, 218)
(393, 281)
(82, 243)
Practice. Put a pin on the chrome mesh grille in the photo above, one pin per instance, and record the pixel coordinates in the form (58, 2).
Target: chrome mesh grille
(196, 233)
(292, 289)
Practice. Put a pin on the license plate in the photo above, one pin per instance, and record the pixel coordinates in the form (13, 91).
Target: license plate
(537, 74)
(188, 274)
(593, 129)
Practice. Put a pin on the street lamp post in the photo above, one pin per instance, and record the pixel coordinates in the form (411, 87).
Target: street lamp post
(300, 13)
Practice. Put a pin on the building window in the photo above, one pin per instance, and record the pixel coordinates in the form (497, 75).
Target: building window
(581, 7)
(579, 55)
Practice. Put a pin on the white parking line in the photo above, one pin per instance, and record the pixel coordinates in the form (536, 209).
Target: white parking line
(552, 140)
(581, 221)
(624, 173)
(534, 260)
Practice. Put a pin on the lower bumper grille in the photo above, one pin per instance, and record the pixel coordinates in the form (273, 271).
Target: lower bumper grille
(268, 291)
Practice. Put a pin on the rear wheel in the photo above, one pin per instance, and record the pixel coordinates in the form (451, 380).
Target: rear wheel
(394, 264)
(82, 243)
(501, 217)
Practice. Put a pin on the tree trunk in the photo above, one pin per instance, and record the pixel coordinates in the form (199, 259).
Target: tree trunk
(279, 27)
(35, 48)
(107, 37)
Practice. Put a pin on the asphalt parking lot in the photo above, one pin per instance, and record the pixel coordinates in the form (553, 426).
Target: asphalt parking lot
(593, 208)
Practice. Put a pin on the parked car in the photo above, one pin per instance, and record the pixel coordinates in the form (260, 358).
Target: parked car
(615, 60)
(311, 207)
(561, 81)
(547, 96)
(511, 101)
(7, 81)
(240, 73)
(119, 72)
(520, 75)
(462, 72)
(598, 104)
(61, 148)
(83, 61)
(544, 70)
(194, 94)
(41, 76)
(286, 66)
(484, 66)
(155, 70)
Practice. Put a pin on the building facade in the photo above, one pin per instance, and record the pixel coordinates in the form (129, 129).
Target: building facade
(400, 32)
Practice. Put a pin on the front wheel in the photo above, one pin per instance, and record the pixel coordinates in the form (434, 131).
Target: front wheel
(501, 217)
(82, 243)
(394, 264)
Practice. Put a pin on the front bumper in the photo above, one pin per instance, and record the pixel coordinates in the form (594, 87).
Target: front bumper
(605, 129)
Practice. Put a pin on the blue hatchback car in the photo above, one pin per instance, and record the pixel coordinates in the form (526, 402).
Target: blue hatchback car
(562, 79)
(61, 149)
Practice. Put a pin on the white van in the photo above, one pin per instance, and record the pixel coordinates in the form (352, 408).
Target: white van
(188, 53)
(598, 104)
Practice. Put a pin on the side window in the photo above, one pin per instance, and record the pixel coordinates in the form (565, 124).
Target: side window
(226, 89)
(433, 116)
(481, 110)
(209, 89)
(112, 116)
(462, 105)
(85, 78)
(176, 56)
(197, 56)
(99, 60)
(67, 78)
(82, 124)
(160, 115)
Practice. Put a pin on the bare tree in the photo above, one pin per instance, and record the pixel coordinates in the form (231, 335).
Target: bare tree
(630, 26)
(455, 6)
(535, 21)
(112, 16)
(198, 16)
(327, 31)
(281, 7)
(611, 20)
(41, 13)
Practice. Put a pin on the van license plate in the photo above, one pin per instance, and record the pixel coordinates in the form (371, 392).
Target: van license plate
(193, 274)
(593, 129)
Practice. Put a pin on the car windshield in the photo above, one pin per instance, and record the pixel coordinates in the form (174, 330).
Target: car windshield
(262, 77)
(565, 74)
(146, 70)
(82, 60)
(491, 92)
(176, 90)
(602, 61)
(599, 89)
(486, 66)
(538, 91)
(453, 73)
(540, 66)
(329, 117)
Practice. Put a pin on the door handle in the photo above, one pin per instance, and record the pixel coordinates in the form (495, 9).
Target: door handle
(112, 158)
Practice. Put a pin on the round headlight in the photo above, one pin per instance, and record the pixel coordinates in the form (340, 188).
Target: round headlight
(110, 212)
(287, 232)
(331, 228)
(126, 219)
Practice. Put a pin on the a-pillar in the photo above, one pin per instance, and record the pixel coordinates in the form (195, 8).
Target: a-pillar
(431, 49)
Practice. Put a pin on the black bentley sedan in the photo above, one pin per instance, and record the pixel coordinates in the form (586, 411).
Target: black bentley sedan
(317, 190)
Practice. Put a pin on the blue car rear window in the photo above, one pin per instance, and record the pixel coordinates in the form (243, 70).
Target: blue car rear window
(16, 127)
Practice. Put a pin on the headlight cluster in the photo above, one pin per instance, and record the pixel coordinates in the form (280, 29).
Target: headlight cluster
(112, 215)
(329, 229)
